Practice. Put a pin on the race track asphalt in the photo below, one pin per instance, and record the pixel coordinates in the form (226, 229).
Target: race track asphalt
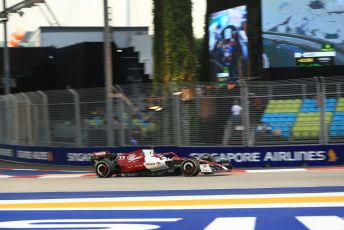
(234, 180)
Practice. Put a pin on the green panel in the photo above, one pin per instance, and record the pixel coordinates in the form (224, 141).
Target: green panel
(272, 102)
(329, 114)
(293, 110)
(273, 110)
(297, 101)
(293, 105)
(297, 134)
(297, 128)
(271, 106)
(306, 133)
(303, 114)
(340, 108)
(302, 119)
(306, 128)
(269, 111)
(314, 134)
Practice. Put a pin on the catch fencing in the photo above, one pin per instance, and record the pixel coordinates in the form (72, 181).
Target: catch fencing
(177, 115)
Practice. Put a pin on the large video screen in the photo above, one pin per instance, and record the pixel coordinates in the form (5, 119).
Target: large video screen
(302, 33)
(228, 43)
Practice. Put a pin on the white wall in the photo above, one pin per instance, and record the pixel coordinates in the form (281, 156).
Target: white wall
(144, 45)
(62, 38)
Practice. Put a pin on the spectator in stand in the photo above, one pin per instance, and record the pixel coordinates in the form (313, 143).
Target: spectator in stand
(115, 121)
(96, 119)
(266, 132)
(263, 129)
(236, 113)
(319, 101)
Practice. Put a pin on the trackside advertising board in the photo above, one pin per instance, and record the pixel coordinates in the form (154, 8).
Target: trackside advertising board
(241, 157)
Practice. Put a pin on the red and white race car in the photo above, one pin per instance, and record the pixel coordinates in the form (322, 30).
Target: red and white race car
(147, 162)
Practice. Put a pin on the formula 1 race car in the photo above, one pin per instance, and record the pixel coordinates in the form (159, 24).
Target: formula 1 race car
(147, 162)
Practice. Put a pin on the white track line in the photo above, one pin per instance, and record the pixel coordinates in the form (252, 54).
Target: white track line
(78, 174)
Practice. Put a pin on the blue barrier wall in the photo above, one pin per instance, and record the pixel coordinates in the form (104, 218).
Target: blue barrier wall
(240, 157)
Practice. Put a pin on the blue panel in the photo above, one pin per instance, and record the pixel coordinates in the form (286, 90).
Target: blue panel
(331, 100)
(334, 133)
(285, 133)
(309, 101)
(265, 120)
(334, 127)
(305, 110)
(266, 218)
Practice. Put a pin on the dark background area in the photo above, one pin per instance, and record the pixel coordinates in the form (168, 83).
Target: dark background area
(76, 66)
(31, 68)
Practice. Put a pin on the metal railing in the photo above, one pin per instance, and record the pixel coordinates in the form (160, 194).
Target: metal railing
(182, 115)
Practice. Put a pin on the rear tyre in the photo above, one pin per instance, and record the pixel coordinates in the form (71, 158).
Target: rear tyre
(190, 167)
(105, 168)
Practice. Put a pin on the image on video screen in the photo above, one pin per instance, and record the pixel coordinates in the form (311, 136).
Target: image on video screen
(228, 43)
(303, 33)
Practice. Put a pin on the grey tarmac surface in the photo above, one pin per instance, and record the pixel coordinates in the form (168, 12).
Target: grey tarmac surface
(233, 180)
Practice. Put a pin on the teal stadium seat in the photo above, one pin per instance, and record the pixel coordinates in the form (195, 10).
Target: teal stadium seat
(337, 125)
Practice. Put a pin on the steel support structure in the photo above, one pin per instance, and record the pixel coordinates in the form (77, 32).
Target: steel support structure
(108, 75)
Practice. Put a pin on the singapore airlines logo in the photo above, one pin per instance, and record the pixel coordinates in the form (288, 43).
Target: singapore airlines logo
(133, 157)
(332, 156)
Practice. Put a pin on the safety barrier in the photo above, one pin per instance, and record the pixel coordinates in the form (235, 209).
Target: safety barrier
(240, 157)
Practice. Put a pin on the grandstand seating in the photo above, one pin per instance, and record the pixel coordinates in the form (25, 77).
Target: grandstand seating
(281, 115)
(340, 105)
(337, 124)
(311, 105)
(307, 124)
(300, 118)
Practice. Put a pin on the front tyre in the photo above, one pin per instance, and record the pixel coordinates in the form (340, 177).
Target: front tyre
(190, 167)
(230, 167)
(105, 168)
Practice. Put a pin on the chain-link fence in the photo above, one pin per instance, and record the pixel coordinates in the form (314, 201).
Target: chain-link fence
(210, 114)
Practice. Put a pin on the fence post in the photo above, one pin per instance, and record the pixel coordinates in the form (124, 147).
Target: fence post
(28, 118)
(122, 100)
(338, 86)
(322, 110)
(3, 120)
(35, 125)
(121, 132)
(77, 117)
(246, 112)
(304, 93)
(15, 119)
(8, 118)
(46, 120)
(270, 91)
(177, 120)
